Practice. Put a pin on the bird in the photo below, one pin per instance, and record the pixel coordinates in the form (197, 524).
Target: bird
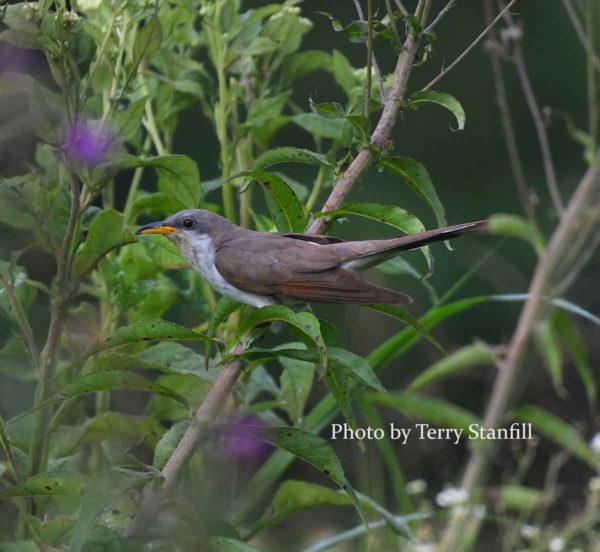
(269, 268)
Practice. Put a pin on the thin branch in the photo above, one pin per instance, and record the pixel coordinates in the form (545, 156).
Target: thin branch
(369, 57)
(540, 127)
(581, 34)
(401, 7)
(591, 73)
(440, 16)
(507, 125)
(548, 269)
(381, 134)
(462, 56)
(373, 60)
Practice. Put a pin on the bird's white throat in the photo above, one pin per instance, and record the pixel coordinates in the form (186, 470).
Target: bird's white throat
(199, 250)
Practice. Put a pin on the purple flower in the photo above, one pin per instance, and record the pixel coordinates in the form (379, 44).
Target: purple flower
(242, 442)
(89, 144)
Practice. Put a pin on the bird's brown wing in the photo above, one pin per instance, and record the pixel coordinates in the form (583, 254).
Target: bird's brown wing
(289, 268)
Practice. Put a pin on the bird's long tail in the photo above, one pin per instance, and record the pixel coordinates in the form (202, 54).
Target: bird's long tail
(363, 254)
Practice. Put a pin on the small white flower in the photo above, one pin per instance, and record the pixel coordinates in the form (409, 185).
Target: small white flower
(556, 545)
(417, 486)
(451, 497)
(479, 512)
(529, 532)
(595, 443)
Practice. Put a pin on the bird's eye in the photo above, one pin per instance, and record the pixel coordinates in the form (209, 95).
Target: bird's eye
(188, 223)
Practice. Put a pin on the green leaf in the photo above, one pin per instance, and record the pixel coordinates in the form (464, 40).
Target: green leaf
(416, 176)
(312, 449)
(443, 99)
(466, 357)
(320, 126)
(289, 155)
(101, 491)
(517, 227)
(154, 330)
(548, 347)
(387, 214)
(431, 410)
(15, 360)
(168, 443)
(264, 109)
(521, 499)
(343, 73)
(283, 203)
(571, 338)
(303, 321)
(148, 40)
(560, 432)
(107, 232)
(295, 496)
(225, 307)
(128, 122)
(115, 425)
(398, 312)
(163, 252)
(18, 546)
(300, 63)
(329, 110)
(225, 544)
(44, 486)
(109, 380)
(296, 382)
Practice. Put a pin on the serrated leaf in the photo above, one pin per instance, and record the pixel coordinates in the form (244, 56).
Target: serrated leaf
(44, 486)
(152, 330)
(416, 176)
(387, 214)
(434, 411)
(559, 431)
(443, 99)
(107, 232)
(284, 206)
(466, 357)
(148, 40)
(517, 227)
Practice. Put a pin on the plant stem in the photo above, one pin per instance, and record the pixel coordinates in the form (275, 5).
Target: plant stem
(39, 437)
(507, 126)
(581, 35)
(466, 52)
(549, 267)
(369, 57)
(316, 190)
(591, 73)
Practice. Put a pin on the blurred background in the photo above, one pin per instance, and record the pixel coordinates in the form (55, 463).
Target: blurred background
(473, 178)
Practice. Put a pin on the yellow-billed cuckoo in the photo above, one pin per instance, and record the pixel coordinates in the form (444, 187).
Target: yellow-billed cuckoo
(266, 268)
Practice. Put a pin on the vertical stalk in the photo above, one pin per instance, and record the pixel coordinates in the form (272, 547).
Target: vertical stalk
(369, 57)
(591, 73)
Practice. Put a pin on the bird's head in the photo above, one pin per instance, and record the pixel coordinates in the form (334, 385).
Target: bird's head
(187, 226)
